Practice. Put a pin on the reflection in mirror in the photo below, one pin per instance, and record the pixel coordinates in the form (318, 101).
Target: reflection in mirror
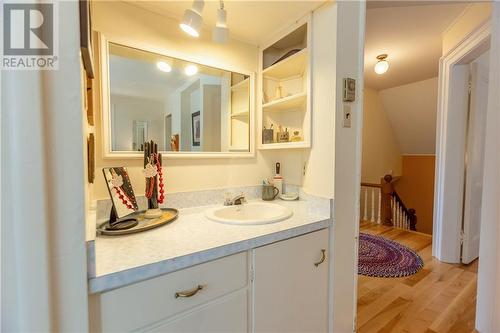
(179, 104)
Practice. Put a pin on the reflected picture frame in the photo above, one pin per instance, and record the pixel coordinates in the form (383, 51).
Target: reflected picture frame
(196, 128)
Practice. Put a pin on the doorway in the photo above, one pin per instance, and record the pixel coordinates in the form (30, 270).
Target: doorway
(429, 299)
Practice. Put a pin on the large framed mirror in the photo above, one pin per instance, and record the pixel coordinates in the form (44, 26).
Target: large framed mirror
(189, 109)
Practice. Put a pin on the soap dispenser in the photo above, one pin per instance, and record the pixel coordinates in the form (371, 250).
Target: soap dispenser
(278, 179)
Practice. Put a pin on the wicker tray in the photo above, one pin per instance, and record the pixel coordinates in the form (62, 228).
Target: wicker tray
(169, 215)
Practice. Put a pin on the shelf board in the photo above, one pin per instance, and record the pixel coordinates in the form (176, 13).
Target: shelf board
(286, 103)
(243, 113)
(285, 145)
(292, 66)
(243, 85)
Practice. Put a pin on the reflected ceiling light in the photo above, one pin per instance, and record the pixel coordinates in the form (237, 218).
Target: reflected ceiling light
(164, 66)
(192, 20)
(220, 34)
(191, 70)
(382, 65)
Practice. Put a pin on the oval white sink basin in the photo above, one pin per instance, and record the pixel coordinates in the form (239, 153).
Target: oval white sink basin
(249, 213)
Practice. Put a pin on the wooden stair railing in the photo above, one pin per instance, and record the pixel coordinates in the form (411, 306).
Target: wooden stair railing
(382, 204)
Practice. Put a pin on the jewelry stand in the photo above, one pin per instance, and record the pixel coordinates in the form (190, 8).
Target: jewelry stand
(152, 156)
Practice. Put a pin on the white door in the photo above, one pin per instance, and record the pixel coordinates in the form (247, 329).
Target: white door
(290, 291)
(474, 159)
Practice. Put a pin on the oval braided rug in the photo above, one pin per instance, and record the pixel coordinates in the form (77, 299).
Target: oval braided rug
(382, 257)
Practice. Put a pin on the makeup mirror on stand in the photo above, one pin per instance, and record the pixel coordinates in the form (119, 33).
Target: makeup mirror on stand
(122, 197)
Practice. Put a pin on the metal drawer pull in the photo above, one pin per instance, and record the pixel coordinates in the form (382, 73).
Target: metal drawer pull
(323, 257)
(188, 293)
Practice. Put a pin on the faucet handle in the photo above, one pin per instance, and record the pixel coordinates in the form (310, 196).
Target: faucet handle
(227, 199)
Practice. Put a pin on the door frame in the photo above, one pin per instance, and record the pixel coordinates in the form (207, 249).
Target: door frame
(451, 128)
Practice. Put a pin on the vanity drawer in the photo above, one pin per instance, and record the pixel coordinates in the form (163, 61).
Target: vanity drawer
(144, 303)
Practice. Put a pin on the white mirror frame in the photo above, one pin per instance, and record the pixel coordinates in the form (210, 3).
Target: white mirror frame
(106, 131)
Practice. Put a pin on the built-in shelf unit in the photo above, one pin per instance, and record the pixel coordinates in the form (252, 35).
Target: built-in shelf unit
(286, 88)
(239, 117)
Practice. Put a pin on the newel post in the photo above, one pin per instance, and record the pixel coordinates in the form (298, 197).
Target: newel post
(413, 219)
(386, 190)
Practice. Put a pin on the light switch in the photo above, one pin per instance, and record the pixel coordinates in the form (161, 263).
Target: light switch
(347, 116)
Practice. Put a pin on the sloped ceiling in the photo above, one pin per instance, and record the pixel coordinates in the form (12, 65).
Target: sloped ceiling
(411, 110)
(410, 35)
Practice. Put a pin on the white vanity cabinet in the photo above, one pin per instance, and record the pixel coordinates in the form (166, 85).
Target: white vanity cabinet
(281, 287)
(192, 299)
(291, 285)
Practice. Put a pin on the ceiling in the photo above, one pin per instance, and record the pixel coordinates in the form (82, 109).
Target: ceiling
(248, 21)
(139, 78)
(410, 35)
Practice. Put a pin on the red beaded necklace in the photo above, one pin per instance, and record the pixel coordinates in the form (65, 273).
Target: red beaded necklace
(122, 195)
(151, 183)
(160, 183)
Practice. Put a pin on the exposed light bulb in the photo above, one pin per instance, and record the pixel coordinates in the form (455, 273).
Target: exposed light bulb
(382, 65)
(192, 20)
(191, 70)
(164, 66)
(220, 34)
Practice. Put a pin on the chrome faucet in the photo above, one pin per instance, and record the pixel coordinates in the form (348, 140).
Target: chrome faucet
(237, 200)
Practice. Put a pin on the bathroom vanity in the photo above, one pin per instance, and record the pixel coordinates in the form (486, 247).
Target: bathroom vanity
(198, 275)
(207, 271)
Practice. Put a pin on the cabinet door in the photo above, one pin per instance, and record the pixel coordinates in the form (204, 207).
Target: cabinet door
(290, 291)
(227, 314)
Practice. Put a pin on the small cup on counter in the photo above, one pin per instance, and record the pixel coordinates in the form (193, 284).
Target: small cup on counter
(269, 192)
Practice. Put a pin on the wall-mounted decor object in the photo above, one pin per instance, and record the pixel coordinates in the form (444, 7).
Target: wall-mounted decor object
(196, 128)
(91, 158)
(154, 179)
(122, 197)
(90, 101)
(86, 38)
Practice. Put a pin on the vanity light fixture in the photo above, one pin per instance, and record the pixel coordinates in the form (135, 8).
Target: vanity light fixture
(164, 66)
(192, 20)
(191, 70)
(220, 34)
(382, 65)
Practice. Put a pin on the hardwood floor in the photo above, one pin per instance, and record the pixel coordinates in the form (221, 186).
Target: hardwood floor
(440, 298)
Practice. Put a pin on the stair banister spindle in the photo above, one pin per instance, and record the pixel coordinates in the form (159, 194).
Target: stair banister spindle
(373, 206)
(365, 212)
(379, 220)
(399, 215)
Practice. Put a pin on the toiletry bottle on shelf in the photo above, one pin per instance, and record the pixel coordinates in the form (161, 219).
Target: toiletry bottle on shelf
(278, 179)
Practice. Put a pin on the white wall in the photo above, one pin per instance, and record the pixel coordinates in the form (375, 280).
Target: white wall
(381, 153)
(488, 289)
(412, 112)
(129, 25)
(348, 55)
(475, 15)
(44, 282)
(127, 109)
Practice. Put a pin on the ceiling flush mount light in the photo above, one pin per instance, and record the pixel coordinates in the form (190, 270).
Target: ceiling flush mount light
(382, 65)
(220, 34)
(164, 66)
(192, 20)
(191, 70)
